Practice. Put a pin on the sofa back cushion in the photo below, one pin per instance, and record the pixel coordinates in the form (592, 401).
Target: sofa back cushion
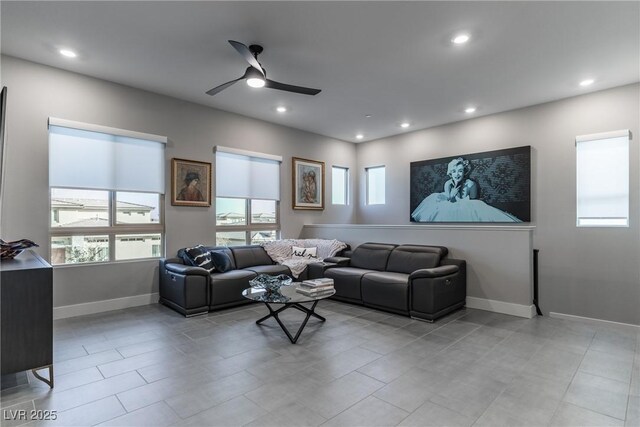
(409, 258)
(248, 256)
(372, 256)
(222, 261)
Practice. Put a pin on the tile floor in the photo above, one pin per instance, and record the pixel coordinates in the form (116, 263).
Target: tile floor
(149, 366)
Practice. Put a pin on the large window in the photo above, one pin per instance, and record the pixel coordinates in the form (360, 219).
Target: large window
(602, 166)
(247, 197)
(375, 185)
(339, 185)
(106, 194)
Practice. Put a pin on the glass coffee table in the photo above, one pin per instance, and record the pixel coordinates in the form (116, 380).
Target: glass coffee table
(289, 298)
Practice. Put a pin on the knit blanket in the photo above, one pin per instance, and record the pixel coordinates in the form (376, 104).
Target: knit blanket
(280, 251)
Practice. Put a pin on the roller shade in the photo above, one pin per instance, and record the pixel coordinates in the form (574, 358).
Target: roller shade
(247, 175)
(111, 159)
(602, 166)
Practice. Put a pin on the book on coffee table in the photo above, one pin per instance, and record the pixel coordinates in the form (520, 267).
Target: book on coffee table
(318, 283)
(314, 292)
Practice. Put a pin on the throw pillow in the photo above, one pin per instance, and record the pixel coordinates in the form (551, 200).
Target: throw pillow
(221, 261)
(200, 257)
(297, 252)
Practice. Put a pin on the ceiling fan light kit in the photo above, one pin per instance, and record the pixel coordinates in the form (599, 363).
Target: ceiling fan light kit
(256, 75)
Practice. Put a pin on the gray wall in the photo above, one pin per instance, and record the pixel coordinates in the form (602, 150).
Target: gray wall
(592, 272)
(37, 92)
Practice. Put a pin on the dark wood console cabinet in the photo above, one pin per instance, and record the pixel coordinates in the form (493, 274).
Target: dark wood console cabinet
(26, 303)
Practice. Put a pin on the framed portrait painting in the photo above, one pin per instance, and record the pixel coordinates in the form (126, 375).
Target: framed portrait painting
(190, 183)
(308, 184)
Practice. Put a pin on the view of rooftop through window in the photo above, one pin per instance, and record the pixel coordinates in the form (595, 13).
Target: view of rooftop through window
(233, 211)
(90, 208)
(74, 209)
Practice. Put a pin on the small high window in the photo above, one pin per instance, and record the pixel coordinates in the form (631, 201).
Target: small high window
(339, 185)
(602, 166)
(375, 185)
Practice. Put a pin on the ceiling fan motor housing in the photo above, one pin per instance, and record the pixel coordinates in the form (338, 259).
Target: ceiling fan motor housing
(256, 50)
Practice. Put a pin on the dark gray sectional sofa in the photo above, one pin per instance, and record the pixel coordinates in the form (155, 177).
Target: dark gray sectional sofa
(414, 280)
(193, 290)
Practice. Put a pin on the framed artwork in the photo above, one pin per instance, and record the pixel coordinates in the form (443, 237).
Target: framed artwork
(494, 186)
(308, 184)
(190, 183)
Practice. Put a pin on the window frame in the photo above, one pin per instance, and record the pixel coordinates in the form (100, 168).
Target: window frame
(250, 226)
(366, 171)
(112, 230)
(346, 185)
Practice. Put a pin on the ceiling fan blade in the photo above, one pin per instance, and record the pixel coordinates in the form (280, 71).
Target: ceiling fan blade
(291, 88)
(222, 86)
(246, 54)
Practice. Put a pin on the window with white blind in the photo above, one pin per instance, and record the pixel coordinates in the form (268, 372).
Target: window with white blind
(602, 166)
(247, 197)
(375, 185)
(339, 185)
(106, 193)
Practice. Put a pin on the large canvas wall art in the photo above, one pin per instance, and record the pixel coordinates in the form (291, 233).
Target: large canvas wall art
(494, 186)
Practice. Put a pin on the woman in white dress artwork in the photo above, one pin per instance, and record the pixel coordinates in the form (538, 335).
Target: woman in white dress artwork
(459, 200)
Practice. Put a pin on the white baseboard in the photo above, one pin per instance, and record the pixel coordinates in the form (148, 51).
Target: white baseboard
(594, 321)
(104, 305)
(519, 310)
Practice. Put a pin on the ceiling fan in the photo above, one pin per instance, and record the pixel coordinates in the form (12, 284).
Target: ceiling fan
(256, 75)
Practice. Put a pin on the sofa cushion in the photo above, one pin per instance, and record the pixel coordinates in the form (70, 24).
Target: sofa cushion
(371, 256)
(198, 256)
(409, 258)
(272, 270)
(297, 252)
(224, 249)
(227, 287)
(346, 281)
(386, 289)
(248, 256)
(222, 261)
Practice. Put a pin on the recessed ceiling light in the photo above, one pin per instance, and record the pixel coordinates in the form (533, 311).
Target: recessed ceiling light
(68, 53)
(470, 110)
(281, 109)
(461, 39)
(368, 116)
(405, 124)
(359, 136)
(587, 82)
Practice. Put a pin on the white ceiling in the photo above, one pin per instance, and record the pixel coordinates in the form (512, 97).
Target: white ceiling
(392, 60)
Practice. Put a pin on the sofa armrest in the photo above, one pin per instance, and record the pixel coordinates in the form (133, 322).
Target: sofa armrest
(437, 291)
(186, 270)
(315, 270)
(338, 260)
(430, 273)
(462, 267)
(184, 288)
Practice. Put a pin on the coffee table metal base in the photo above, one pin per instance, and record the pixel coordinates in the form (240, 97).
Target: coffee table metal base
(274, 313)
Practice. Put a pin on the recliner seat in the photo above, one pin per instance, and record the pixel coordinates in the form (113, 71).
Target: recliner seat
(192, 290)
(414, 280)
